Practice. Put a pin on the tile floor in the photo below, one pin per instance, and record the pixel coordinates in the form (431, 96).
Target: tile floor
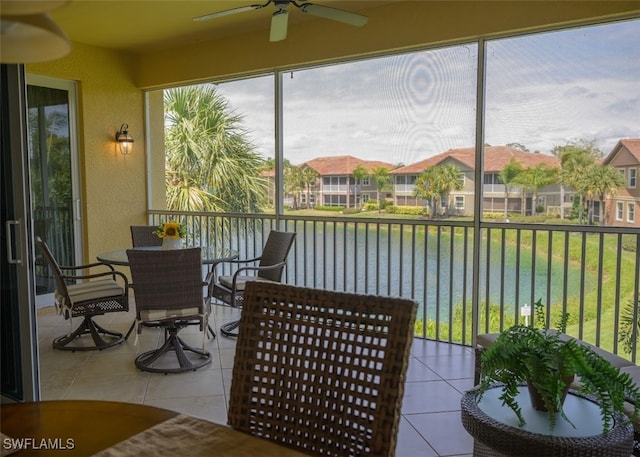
(430, 426)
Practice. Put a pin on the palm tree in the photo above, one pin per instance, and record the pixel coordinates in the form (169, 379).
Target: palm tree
(437, 182)
(507, 175)
(308, 177)
(425, 187)
(575, 161)
(449, 177)
(210, 164)
(603, 180)
(383, 182)
(535, 178)
(359, 174)
(293, 183)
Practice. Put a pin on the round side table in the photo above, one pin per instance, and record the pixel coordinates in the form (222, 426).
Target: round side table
(495, 429)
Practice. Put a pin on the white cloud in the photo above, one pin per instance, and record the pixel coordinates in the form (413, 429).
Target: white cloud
(542, 90)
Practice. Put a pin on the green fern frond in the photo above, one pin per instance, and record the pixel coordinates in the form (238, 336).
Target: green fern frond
(524, 354)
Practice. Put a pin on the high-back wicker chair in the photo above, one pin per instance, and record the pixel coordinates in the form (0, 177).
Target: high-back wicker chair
(321, 371)
(98, 293)
(168, 291)
(142, 235)
(268, 267)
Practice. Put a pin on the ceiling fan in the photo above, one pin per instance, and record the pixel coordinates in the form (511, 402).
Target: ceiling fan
(280, 18)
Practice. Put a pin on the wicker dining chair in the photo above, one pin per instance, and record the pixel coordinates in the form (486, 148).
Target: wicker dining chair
(143, 235)
(268, 267)
(168, 291)
(97, 294)
(321, 371)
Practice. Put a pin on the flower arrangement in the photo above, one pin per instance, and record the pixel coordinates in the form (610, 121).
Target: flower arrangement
(171, 229)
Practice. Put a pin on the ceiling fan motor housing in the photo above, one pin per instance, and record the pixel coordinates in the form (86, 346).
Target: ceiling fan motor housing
(282, 4)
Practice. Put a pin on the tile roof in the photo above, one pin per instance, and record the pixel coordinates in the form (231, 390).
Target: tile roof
(495, 158)
(343, 165)
(631, 144)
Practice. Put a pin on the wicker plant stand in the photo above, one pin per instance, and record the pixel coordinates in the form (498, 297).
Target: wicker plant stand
(496, 438)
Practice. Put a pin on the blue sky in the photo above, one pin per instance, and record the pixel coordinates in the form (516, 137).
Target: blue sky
(542, 90)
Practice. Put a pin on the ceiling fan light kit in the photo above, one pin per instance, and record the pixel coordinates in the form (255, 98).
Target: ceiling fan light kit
(280, 19)
(28, 34)
(31, 38)
(22, 7)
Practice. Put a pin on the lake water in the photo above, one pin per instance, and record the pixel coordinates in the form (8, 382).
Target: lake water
(435, 270)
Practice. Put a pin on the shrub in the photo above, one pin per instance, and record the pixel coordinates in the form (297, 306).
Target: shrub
(626, 335)
(629, 243)
(337, 209)
(412, 210)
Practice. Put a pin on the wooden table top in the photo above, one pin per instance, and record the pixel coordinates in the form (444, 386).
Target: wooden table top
(114, 429)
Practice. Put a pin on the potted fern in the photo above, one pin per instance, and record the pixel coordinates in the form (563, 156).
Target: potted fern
(547, 363)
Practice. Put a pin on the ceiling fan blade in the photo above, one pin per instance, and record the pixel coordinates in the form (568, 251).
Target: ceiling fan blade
(335, 14)
(279, 23)
(241, 9)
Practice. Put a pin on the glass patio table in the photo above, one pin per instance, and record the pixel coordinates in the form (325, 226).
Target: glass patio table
(211, 255)
(496, 432)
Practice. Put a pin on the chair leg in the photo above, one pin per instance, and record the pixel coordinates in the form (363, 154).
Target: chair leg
(230, 329)
(89, 327)
(181, 349)
(133, 325)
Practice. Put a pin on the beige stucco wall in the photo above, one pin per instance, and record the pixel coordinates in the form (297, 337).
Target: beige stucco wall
(113, 185)
(156, 165)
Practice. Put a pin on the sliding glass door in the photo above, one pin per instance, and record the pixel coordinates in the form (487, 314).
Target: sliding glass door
(18, 368)
(53, 169)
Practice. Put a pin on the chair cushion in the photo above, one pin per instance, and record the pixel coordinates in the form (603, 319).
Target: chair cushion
(94, 290)
(634, 373)
(610, 357)
(163, 314)
(241, 281)
(486, 340)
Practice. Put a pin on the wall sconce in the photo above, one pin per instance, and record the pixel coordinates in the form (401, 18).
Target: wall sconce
(124, 140)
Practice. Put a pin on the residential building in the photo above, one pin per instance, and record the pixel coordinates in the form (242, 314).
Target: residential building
(336, 185)
(623, 207)
(461, 202)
